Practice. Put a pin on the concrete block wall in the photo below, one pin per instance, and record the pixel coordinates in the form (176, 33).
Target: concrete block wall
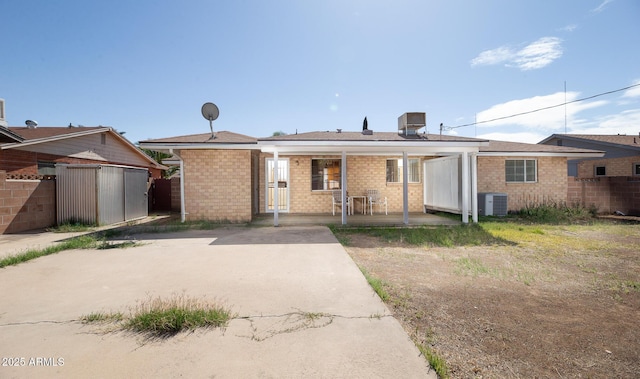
(217, 185)
(550, 187)
(26, 204)
(614, 166)
(607, 194)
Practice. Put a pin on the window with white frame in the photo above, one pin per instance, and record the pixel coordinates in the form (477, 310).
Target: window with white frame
(521, 170)
(394, 170)
(600, 170)
(325, 174)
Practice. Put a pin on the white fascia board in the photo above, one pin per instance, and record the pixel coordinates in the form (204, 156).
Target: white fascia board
(540, 154)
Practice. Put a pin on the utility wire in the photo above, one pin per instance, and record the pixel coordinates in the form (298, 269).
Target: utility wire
(542, 109)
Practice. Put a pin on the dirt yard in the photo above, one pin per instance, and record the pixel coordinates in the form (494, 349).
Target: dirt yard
(549, 302)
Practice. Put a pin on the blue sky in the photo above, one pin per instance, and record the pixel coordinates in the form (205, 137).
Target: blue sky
(146, 67)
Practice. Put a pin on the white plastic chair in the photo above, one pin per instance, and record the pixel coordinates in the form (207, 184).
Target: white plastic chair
(337, 201)
(374, 198)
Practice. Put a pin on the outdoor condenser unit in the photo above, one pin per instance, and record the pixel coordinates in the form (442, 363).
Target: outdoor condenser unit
(492, 204)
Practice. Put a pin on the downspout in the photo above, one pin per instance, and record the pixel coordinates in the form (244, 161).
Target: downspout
(183, 213)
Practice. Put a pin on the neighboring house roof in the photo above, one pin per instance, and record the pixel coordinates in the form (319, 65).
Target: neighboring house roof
(605, 140)
(222, 137)
(32, 137)
(7, 136)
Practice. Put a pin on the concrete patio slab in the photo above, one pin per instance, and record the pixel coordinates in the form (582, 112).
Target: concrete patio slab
(273, 279)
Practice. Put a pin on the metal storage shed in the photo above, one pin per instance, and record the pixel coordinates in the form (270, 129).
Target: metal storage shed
(100, 194)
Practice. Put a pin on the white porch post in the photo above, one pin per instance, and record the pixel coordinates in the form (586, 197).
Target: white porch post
(474, 187)
(343, 186)
(405, 187)
(276, 187)
(465, 187)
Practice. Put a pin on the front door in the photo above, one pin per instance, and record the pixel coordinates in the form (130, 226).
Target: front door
(281, 189)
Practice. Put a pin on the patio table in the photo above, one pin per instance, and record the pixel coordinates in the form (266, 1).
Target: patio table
(363, 198)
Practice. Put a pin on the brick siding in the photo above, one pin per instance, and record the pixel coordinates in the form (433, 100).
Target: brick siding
(26, 204)
(550, 187)
(217, 185)
(606, 194)
(613, 166)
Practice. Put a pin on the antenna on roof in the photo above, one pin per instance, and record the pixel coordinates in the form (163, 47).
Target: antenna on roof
(210, 112)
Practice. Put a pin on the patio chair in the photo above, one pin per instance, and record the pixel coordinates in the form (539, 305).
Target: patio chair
(337, 201)
(374, 198)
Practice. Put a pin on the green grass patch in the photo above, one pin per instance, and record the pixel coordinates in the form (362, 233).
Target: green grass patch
(164, 317)
(158, 317)
(471, 266)
(71, 226)
(446, 236)
(377, 284)
(437, 363)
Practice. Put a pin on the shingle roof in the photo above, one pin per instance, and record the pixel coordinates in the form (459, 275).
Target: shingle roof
(51, 131)
(375, 136)
(222, 137)
(517, 147)
(626, 140)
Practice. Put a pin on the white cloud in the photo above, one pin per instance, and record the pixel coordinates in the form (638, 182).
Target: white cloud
(551, 119)
(533, 56)
(569, 28)
(601, 7)
(633, 92)
(524, 137)
(627, 122)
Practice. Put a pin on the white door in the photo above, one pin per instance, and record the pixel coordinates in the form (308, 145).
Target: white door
(282, 187)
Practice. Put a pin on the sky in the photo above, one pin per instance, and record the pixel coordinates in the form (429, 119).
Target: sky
(146, 67)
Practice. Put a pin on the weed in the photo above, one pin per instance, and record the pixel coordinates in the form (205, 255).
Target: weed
(102, 317)
(71, 226)
(160, 317)
(437, 363)
(471, 266)
(377, 285)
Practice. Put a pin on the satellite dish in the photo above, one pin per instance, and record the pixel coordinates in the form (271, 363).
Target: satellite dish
(210, 112)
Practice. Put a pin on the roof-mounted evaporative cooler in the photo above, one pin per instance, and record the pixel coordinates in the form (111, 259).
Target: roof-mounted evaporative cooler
(410, 122)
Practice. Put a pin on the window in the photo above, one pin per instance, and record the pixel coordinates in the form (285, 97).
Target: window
(394, 170)
(636, 169)
(520, 170)
(46, 168)
(325, 174)
(601, 170)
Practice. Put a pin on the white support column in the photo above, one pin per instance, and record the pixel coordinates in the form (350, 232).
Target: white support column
(465, 187)
(474, 187)
(405, 187)
(343, 186)
(276, 188)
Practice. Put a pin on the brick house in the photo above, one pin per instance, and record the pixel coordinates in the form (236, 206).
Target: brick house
(28, 156)
(233, 177)
(610, 182)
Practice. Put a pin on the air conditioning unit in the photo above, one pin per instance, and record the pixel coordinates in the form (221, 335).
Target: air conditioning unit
(492, 204)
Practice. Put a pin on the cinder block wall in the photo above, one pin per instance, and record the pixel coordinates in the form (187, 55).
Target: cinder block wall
(550, 187)
(607, 194)
(26, 204)
(614, 166)
(217, 185)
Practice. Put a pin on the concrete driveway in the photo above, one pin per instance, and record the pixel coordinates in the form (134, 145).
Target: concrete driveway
(272, 278)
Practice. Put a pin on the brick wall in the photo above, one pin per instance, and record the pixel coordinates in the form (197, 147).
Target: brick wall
(550, 187)
(363, 172)
(26, 204)
(175, 194)
(607, 194)
(217, 185)
(613, 166)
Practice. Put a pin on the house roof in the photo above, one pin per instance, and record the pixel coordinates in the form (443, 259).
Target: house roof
(7, 136)
(619, 140)
(25, 136)
(502, 147)
(222, 137)
(373, 137)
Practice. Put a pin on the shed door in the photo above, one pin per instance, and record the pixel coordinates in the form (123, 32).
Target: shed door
(135, 193)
